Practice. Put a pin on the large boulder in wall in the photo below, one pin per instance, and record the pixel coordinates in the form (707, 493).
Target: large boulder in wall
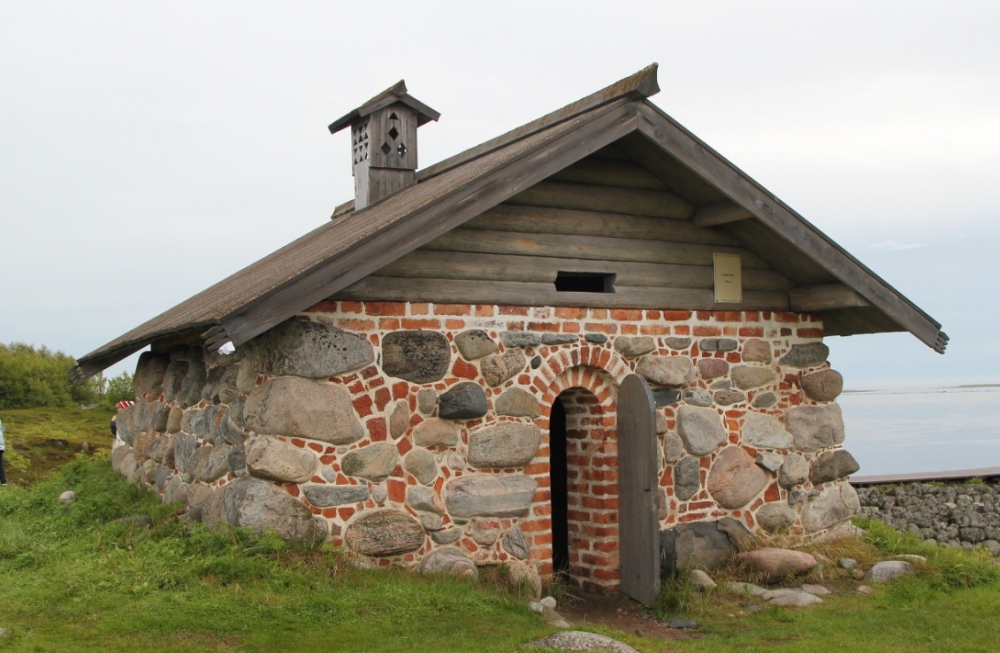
(700, 545)
(292, 406)
(262, 506)
(311, 350)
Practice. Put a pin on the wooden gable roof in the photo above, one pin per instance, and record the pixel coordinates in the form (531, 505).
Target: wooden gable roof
(705, 190)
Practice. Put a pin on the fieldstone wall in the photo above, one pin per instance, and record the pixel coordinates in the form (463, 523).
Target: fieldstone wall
(951, 513)
(398, 429)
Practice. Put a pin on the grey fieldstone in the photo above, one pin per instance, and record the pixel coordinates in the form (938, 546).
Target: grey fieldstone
(311, 350)
(118, 455)
(173, 379)
(463, 401)
(185, 445)
(674, 371)
(756, 351)
(489, 495)
(230, 432)
(536, 362)
(718, 344)
(516, 544)
(677, 343)
(516, 402)
(764, 399)
(883, 572)
(210, 463)
(746, 588)
(149, 373)
(399, 419)
(735, 478)
(484, 536)
(791, 598)
(661, 424)
(803, 356)
(775, 517)
(835, 504)
(687, 478)
(384, 533)
(448, 561)
(666, 396)
(765, 432)
(271, 458)
(578, 640)
(729, 397)
(697, 397)
(596, 338)
(161, 476)
(374, 462)
(520, 339)
(424, 499)
(673, 447)
(431, 522)
(324, 496)
(292, 406)
(831, 465)
(174, 420)
(422, 465)
(235, 412)
(559, 338)
(524, 574)
(815, 427)
(815, 590)
(426, 400)
(176, 490)
(416, 356)
(701, 580)
(246, 375)
(192, 384)
(701, 430)
(748, 377)
(475, 343)
(380, 493)
(261, 506)
(69, 496)
(825, 385)
(770, 461)
(499, 369)
(162, 450)
(435, 432)
(504, 445)
(631, 347)
(237, 461)
(794, 471)
(700, 545)
(777, 564)
(446, 536)
(712, 368)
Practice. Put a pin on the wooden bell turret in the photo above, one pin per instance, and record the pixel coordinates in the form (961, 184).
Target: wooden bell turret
(384, 143)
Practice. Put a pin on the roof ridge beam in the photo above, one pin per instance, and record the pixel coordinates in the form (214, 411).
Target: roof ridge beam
(638, 86)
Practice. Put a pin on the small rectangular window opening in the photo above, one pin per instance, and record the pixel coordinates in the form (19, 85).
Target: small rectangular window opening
(585, 282)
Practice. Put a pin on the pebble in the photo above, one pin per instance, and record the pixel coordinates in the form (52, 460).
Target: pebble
(864, 589)
(67, 497)
(682, 624)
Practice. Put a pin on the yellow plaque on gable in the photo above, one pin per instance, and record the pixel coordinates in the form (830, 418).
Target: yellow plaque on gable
(728, 278)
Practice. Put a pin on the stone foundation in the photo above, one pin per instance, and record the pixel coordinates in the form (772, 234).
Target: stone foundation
(396, 429)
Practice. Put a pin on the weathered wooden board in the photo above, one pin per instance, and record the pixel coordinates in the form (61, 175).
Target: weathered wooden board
(632, 201)
(675, 174)
(546, 220)
(721, 213)
(585, 247)
(459, 291)
(815, 299)
(602, 172)
(430, 264)
(638, 524)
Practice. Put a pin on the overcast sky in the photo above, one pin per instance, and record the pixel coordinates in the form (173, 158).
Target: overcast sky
(149, 150)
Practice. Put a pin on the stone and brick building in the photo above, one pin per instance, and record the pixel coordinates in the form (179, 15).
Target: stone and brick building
(541, 352)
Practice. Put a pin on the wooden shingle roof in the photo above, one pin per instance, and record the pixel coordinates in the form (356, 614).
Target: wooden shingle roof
(711, 192)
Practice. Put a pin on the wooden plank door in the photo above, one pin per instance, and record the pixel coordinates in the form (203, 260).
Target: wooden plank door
(638, 523)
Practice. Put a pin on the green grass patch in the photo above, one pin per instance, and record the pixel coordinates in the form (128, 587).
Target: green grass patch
(42, 440)
(78, 577)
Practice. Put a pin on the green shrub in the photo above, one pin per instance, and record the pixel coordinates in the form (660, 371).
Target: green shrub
(32, 377)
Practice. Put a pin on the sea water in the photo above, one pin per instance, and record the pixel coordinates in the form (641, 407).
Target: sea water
(922, 430)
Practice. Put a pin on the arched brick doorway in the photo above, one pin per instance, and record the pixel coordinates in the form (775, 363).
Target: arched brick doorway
(584, 492)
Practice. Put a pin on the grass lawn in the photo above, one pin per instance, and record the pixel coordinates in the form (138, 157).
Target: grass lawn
(78, 577)
(41, 440)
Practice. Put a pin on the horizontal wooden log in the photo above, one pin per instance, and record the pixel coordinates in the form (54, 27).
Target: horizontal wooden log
(722, 213)
(815, 299)
(594, 248)
(545, 294)
(632, 201)
(428, 264)
(603, 172)
(536, 219)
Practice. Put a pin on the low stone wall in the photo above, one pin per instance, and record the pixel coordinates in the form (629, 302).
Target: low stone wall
(952, 513)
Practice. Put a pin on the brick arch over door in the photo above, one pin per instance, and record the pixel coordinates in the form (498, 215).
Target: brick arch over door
(588, 395)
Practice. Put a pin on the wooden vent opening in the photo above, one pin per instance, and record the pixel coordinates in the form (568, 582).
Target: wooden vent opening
(585, 282)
